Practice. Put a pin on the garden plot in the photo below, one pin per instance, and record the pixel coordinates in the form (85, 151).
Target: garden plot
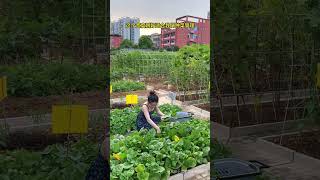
(205, 107)
(259, 119)
(25, 106)
(185, 73)
(42, 85)
(305, 142)
(180, 146)
(38, 154)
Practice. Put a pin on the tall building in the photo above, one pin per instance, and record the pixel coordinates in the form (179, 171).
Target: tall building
(199, 34)
(208, 16)
(155, 37)
(120, 27)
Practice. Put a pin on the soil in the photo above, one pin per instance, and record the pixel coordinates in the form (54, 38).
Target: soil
(204, 106)
(307, 143)
(190, 97)
(264, 114)
(119, 106)
(24, 106)
(35, 142)
(123, 94)
(40, 139)
(159, 84)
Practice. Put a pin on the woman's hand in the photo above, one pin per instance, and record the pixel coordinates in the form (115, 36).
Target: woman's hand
(158, 130)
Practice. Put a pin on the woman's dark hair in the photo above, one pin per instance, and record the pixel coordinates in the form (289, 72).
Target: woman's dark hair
(153, 97)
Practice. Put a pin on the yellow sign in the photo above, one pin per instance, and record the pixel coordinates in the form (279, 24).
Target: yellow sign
(318, 75)
(3, 88)
(110, 89)
(69, 119)
(131, 99)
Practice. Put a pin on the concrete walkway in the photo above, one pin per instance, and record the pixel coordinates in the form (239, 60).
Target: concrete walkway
(284, 164)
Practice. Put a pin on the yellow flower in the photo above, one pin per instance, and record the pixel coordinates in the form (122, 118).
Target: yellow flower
(117, 156)
(176, 138)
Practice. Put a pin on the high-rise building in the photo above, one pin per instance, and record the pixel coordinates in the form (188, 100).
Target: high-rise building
(199, 34)
(208, 16)
(120, 27)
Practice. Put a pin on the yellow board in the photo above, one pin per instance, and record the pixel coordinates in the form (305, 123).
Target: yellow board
(318, 75)
(131, 99)
(69, 119)
(3, 88)
(110, 89)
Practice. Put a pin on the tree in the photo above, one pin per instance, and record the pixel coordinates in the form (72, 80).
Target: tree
(126, 44)
(145, 42)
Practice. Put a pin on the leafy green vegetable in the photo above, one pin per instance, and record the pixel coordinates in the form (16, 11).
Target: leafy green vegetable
(51, 163)
(123, 121)
(127, 85)
(155, 156)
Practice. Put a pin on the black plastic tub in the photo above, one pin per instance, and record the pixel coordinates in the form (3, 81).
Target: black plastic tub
(231, 168)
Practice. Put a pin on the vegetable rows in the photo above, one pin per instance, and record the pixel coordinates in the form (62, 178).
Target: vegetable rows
(146, 155)
(123, 120)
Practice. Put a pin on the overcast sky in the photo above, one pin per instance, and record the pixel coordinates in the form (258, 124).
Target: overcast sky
(158, 10)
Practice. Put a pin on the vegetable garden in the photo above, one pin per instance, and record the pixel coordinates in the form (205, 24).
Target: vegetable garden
(147, 155)
(186, 71)
(51, 58)
(266, 71)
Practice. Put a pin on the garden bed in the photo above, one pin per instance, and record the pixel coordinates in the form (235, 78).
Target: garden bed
(204, 106)
(264, 114)
(123, 120)
(144, 154)
(123, 94)
(33, 141)
(191, 97)
(306, 143)
(54, 162)
(25, 106)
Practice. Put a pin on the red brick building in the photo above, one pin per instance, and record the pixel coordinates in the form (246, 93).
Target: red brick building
(180, 37)
(115, 40)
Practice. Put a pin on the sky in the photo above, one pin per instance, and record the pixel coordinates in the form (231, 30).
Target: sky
(158, 11)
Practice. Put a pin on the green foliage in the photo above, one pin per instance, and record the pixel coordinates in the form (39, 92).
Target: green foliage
(191, 67)
(123, 121)
(134, 63)
(51, 163)
(260, 35)
(145, 42)
(27, 25)
(127, 85)
(169, 109)
(126, 44)
(152, 156)
(53, 79)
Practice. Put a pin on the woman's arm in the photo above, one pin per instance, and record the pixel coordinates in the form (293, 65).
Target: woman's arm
(146, 114)
(159, 112)
(103, 150)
